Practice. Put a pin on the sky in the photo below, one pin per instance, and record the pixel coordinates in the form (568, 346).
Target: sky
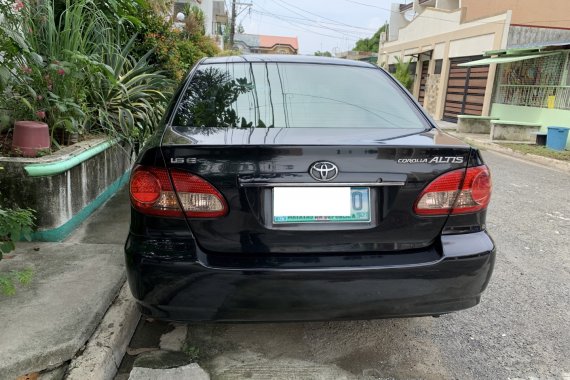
(320, 25)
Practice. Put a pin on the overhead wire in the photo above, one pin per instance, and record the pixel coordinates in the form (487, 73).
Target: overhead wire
(313, 21)
(305, 24)
(324, 18)
(299, 27)
(310, 24)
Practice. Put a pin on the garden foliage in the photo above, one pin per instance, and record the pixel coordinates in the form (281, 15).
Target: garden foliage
(91, 66)
(14, 224)
(402, 73)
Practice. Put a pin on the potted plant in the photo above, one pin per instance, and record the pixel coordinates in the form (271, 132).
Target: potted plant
(43, 98)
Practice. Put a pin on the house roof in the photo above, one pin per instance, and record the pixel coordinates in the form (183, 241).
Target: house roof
(265, 41)
(531, 48)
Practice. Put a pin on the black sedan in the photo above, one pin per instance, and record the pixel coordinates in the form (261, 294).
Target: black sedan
(283, 188)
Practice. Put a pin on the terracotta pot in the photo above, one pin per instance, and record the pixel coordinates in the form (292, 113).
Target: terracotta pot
(30, 137)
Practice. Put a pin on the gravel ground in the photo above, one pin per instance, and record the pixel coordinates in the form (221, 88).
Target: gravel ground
(521, 330)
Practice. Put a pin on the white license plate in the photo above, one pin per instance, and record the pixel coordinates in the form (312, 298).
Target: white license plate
(321, 204)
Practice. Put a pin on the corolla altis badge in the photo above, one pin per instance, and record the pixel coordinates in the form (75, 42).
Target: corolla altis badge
(323, 171)
(434, 160)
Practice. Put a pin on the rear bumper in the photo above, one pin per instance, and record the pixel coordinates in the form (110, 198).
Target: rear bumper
(185, 289)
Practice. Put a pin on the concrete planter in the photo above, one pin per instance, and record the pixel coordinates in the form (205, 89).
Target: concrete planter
(473, 124)
(66, 187)
(514, 130)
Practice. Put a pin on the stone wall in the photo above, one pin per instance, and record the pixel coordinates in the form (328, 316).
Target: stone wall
(525, 35)
(432, 89)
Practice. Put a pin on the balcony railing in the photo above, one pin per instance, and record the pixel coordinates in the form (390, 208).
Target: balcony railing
(405, 7)
(534, 96)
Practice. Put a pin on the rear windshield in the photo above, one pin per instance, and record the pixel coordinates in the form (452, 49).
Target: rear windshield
(294, 95)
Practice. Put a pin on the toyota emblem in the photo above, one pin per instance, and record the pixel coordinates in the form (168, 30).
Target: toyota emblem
(323, 171)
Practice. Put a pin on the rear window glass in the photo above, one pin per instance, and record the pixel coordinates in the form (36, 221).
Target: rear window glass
(293, 95)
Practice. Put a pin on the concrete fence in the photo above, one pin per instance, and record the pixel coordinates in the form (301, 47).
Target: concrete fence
(65, 188)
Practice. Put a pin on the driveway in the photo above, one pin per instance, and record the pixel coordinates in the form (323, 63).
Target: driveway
(521, 329)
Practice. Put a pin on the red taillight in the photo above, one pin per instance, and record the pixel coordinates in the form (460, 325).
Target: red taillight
(444, 196)
(145, 188)
(152, 194)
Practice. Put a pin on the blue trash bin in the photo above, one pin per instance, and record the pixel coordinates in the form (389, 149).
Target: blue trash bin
(556, 138)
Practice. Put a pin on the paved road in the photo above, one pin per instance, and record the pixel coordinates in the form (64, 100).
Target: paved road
(521, 330)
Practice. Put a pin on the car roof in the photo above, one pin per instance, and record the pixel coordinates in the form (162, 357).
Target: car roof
(285, 58)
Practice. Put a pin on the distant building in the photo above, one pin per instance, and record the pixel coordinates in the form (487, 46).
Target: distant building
(439, 35)
(366, 56)
(261, 44)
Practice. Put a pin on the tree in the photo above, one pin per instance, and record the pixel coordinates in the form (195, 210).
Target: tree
(372, 43)
(323, 54)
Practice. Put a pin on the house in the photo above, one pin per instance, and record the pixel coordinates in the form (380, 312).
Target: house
(215, 15)
(531, 91)
(262, 44)
(440, 35)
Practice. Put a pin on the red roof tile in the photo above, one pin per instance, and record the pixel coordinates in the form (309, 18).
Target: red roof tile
(270, 41)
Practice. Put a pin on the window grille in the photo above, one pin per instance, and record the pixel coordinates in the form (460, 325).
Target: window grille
(533, 82)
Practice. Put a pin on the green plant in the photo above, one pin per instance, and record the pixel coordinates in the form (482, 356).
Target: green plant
(194, 23)
(7, 281)
(14, 225)
(129, 96)
(75, 68)
(402, 73)
(46, 78)
(174, 51)
(373, 43)
(192, 351)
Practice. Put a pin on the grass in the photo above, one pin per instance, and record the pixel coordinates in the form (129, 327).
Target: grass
(192, 351)
(539, 151)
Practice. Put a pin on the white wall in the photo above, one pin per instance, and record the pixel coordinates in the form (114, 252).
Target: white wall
(432, 23)
(471, 46)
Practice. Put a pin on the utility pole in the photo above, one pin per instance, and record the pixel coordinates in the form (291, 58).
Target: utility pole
(233, 24)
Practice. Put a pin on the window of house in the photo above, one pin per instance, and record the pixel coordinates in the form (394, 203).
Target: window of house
(533, 82)
(438, 65)
(413, 67)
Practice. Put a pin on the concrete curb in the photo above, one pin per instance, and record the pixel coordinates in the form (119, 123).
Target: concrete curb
(545, 161)
(104, 352)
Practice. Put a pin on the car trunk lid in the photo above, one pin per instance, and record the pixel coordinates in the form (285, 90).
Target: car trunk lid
(252, 167)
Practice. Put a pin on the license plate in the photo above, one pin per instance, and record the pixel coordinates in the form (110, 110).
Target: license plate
(321, 204)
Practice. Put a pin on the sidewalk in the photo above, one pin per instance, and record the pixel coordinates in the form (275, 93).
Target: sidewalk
(46, 323)
(484, 142)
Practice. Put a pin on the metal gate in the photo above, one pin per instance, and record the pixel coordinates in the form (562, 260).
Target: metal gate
(423, 81)
(465, 89)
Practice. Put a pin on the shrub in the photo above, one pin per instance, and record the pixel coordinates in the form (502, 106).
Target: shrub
(93, 65)
(66, 70)
(174, 50)
(130, 96)
(402, 73)
(14, 225)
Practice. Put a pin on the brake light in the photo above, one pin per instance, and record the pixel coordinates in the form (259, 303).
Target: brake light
(443, 196)
(152, 194)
